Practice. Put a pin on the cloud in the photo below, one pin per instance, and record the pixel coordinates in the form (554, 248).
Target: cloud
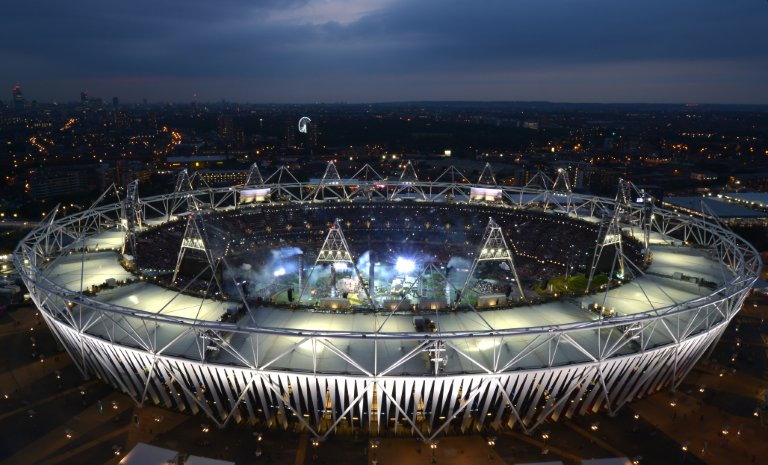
(371, 50)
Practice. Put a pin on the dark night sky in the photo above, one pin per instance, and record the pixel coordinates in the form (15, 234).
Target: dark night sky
(713, 51)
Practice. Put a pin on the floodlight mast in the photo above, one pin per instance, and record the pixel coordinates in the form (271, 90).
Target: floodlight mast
(254, 176)
(562, 187)
(408, 183)
(647, 222)
(183, 193)
(641, 217)
(330, 186)
(133, 217)
(610, 235)
(196, 238)
(487, 177)
(541, 183)
(336, 250)
(493, 248)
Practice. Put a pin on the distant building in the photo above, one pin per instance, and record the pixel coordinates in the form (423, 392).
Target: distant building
(223, 177)
(83, 96)
(122, 120)
(122, 172)
(753, 200)
(49, 183)
(226, 128)
(604, 179)
(289, 135)
(754, 180)
(311, 137)
(731, 214)
(115, 102)
(578, 173)
(18, 98)
(197, 161)
(703, 176)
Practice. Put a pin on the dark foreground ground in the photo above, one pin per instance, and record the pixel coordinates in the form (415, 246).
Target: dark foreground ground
(52, 416)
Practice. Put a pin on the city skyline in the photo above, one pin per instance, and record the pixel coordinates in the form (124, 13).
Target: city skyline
(589, 51)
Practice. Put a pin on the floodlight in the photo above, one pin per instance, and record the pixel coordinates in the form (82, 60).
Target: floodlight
(405, 265)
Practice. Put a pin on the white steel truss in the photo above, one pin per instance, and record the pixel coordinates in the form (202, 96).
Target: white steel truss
(486, 176)
(561, 194)
(408, 184)
(336, 250)
(254, 176)
(183, 194)
(494, 248)
(196, 238)
(519, 378)
(330, 186)
(132, 216)
(622, 267)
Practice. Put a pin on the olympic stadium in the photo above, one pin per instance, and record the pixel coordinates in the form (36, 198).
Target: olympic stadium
(385, 305)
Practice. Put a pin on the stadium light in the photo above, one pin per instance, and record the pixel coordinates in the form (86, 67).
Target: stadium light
(278, 272)
(405, 265)
(339, 266)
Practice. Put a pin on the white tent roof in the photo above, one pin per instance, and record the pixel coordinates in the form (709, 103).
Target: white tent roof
(146, 454)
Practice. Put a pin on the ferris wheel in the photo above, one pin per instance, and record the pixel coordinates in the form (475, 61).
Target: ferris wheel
(303, 124)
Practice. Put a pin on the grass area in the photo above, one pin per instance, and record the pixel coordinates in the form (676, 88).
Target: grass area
(572, 285)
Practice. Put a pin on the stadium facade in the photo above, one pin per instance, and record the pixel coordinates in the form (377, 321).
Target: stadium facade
(371, 365)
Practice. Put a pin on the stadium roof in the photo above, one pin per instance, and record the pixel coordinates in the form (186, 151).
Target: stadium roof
(719, 207)
(756, 199)
(660, 288)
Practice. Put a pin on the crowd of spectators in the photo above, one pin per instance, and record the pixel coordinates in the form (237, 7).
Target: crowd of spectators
(543, 244)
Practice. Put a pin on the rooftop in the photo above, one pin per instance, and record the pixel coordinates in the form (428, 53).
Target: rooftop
(719, 207)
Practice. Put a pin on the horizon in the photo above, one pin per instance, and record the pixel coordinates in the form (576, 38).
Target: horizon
(106, 99)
